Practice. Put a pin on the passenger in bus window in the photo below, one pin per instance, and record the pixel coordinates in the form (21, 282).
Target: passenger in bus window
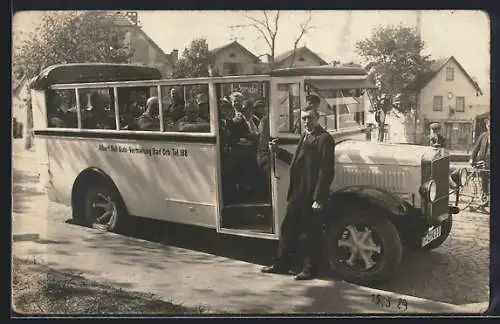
(64, 115)
(176, 108)
(203, 107)
(192, 122)
(149, 119)
(260, 109)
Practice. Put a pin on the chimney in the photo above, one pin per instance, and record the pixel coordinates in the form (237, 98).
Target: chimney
(174, 56)
(133, 17)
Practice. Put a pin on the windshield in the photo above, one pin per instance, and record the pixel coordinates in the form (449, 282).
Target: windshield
(339, 108)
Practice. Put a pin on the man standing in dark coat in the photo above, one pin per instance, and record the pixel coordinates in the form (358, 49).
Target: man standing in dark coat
(481, 154)
(311, 174)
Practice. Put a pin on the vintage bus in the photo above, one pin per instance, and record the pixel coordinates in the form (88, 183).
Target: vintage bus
(94, 159)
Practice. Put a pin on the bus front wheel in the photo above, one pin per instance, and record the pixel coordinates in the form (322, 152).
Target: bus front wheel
(102, 208)
(363, 247)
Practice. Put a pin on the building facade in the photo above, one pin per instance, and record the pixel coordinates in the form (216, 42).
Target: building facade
(303, 57)
(145, 50)
(447, 95)
(235, 59)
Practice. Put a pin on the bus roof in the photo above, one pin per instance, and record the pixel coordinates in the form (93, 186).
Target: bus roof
(324, 70)
(93, 72)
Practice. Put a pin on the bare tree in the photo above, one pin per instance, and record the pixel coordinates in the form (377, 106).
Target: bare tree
(304, 29)
(268, 28)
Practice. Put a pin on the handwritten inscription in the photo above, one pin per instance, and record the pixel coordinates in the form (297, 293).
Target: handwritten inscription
(388, 302)
(149, 151)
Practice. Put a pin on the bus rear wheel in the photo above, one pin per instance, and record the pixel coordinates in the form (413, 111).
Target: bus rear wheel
(102, 208)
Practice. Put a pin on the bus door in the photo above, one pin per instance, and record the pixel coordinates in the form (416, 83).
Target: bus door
(245, 195)
(288, 97)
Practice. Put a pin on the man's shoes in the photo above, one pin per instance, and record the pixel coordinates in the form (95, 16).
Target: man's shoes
(306, 275)
(275, 269)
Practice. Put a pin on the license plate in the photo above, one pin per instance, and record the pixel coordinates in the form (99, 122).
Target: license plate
(431, 235)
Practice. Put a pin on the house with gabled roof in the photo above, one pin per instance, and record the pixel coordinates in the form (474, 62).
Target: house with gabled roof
(235, 59)
(145, 50)
(448, 95)
(302, 56)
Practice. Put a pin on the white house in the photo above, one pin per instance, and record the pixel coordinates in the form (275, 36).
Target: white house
(450, 96)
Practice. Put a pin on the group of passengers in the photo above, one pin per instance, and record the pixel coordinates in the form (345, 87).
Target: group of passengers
(190, 116)
(137, 113)
(241, 128)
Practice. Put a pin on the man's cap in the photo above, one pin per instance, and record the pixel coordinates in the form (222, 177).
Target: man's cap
(235, 94)
(435, 126)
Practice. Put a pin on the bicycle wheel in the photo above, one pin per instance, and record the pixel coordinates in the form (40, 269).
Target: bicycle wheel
(468, 192)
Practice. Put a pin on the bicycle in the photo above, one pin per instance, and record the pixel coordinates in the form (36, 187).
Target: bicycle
(471, 191)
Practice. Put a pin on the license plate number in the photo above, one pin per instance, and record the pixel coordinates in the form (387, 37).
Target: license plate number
(431, 235)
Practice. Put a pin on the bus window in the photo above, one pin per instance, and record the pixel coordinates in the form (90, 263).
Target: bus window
(133, 110)
(186, 108)
(97, 108)
(61, 109)
(289, 108)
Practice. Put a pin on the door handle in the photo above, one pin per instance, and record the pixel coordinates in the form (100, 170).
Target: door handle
(273, 145)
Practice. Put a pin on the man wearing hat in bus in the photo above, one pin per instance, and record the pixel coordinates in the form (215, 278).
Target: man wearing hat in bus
(311, 174)
(436, 139)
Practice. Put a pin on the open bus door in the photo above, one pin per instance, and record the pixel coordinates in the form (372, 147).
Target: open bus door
(245, 203)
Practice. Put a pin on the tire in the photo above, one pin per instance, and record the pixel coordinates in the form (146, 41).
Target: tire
(467, 193)
(384, 236)
(445, 232)
(108, 202)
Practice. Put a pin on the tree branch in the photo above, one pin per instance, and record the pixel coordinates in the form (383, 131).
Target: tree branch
(304, 29)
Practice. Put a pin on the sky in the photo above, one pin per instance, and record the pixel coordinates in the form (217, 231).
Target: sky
(463, 34)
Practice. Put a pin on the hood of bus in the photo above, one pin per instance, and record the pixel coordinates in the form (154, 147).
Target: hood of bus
(376, 153)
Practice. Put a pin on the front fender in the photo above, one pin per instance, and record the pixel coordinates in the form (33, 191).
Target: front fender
(369, 197)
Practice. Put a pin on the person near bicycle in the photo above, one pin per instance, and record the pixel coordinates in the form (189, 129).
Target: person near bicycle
(436, 139)
(480, 157)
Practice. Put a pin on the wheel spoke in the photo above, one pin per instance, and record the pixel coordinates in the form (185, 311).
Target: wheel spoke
(99, 205)
(345, 243)
(350, 261)
(106, 198)
(354, 233)
(104, 216)
(372, 248)
(367, 260)
(367, 233)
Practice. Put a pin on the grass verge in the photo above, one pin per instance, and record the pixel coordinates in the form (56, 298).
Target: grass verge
(38, 289)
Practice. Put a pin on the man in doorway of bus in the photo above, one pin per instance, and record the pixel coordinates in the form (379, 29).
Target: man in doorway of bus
(481, 155)
(312, 101)
(311, 174)
(192, 121)
(436, 139)
(176, 108)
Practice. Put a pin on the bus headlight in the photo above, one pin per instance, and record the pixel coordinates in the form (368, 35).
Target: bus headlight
(459, 176)
(428, 190)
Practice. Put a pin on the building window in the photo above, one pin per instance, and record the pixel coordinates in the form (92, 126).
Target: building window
(301, 59)
(232, 68)
(450, 73)
(232, 55)
(437, 103)
(460, 104)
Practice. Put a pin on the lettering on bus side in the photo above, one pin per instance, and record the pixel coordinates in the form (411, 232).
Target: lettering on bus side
(148, 151)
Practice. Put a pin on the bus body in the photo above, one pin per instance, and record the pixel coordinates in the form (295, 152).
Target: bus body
(95, 158)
